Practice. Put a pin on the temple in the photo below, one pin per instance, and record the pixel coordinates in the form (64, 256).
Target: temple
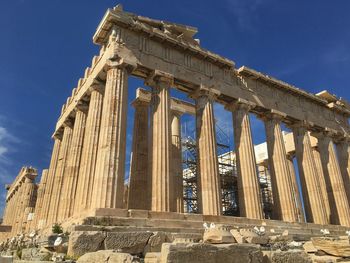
(85, 178)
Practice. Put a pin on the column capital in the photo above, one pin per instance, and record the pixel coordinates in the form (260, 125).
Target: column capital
(205, 91)
(301, 124)
(342, 138)
(272, 114)
(97, 85)
(82, 106)
(177, 111)
(120, 63)
(140, 102)
(69, 122)
(324, 133)
(240, 104)
(159, 79)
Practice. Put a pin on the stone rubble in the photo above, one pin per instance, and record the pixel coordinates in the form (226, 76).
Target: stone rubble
(218, 244)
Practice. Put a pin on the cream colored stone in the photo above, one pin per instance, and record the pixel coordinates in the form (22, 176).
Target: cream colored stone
(282, 188)
(209, 194)
(110, 164)
(339, 206)
(248, 186)
(162, 179)
(139, 178)
(313, 203)
(87, 168)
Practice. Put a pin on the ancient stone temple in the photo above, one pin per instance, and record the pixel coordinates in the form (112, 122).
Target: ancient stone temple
(84, 183)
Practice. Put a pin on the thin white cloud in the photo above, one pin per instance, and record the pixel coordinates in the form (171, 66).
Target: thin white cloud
(244, 11)
(8, 144)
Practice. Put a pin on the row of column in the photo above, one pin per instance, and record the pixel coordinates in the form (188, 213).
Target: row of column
(21, 202)
(88, 160)
(317, 197)
(87, 164)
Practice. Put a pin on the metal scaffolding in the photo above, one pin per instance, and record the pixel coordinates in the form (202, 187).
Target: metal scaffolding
(228, 176)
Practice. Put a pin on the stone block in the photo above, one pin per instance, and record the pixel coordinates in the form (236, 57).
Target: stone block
(81, 242)
(6, 259)
(36, 254)
(109, 256)
(218, 235)
(127, 242)
(155, 242)
(152, 257)
(237, 236)
(192, 252)
(261, 240)
(291, 257)
(309, 247)
(135, 213)
(166, 215)
(208, 253)
(115, 212)
(185, 237)
(237, 253)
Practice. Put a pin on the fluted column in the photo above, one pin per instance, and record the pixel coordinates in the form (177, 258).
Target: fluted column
(40, 197)
(18, 215)
(283, 196)
(59, 173)
(209, 190)
(162, 183)
(176, 161)
(313, 204)
(343, 150)
(71, 171)
(339, 206)
(86, 176)
(295, 187)
(322, 182)
(5, 216)
(138, 196)
(43, 219)
(248, 186)
(108, 188)
(28, 203)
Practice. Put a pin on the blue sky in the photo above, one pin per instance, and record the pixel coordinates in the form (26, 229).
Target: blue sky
(46, 46)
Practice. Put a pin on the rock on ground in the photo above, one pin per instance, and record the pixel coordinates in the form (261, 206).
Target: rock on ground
(291, 257)
(81, 242)
(207, 253)
(107, 256)
(127, 242)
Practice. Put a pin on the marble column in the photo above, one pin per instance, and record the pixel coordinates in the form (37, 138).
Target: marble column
(71, 171)
(28, 203)
(43, 219)
(176, 161)
(110, 164)
(18, 210)
(138, 197)
(162, 183)
(248, 185)
(343, 150)
(40, 197)
(7, 206)
(209, 189)
(283, 195)
(322, 182)
(86, 176)
(295, 187)
(339, 206)
(313, 204)
(59, 174)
